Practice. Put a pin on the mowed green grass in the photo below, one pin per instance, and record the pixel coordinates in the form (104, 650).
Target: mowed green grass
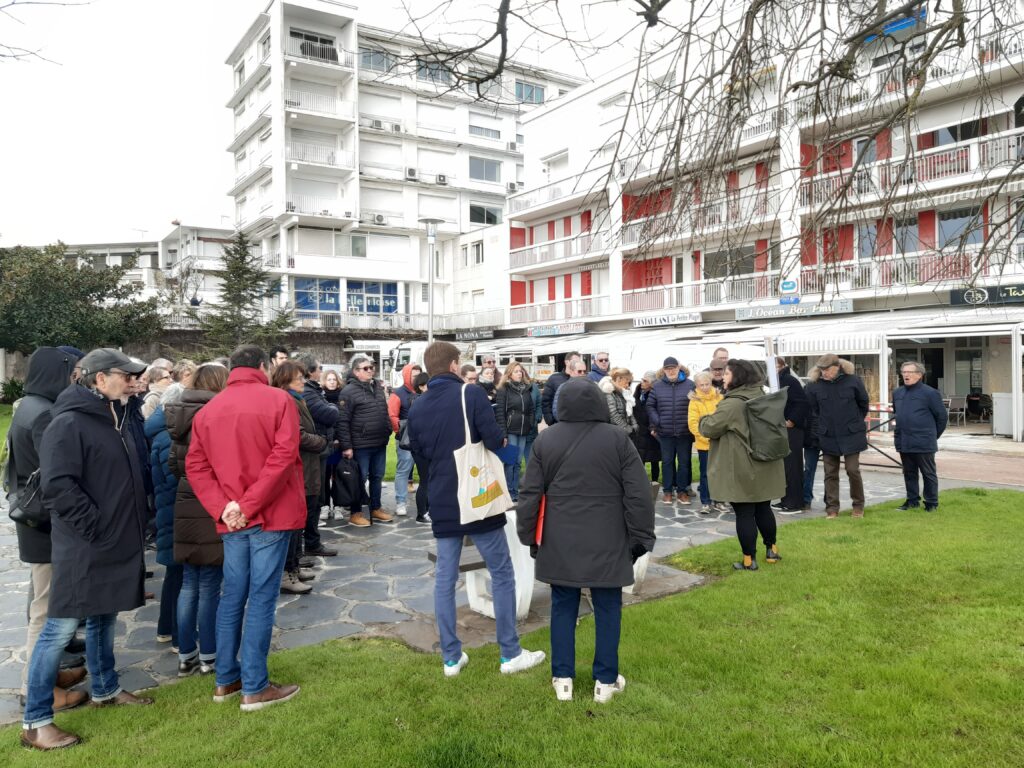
(897, 640)
(5, 420)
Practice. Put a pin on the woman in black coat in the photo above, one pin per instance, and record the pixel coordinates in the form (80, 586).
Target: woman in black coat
(646, 444)
(598, 519)
(516, 412)
(197, 546)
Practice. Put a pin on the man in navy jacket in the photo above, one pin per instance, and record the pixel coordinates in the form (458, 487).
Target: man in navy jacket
(436, 430)
(920, 418)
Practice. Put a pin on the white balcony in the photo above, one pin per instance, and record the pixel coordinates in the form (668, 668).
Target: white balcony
(707, 293)
(559, 193)
(563, 309)
(311, 205)
(478, 318)
(924, 268)
(318, 104)
(584, 244)
(318, 54)
(314, 154)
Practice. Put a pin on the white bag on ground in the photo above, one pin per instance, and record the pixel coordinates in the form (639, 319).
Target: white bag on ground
(482, 490)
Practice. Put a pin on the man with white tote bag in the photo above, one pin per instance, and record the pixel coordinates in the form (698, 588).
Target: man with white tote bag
(452, 428)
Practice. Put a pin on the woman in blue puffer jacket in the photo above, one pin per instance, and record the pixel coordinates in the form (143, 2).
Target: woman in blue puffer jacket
(165, 488)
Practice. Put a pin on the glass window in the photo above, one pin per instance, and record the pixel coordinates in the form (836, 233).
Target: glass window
(482, 169)
(372, 297)
(904, 235)
(478, 253)
(867, 235)
(487, 133)
(433, 72)
(265, 47)
(867, 146)
(484, 214)
(379, 61)
(519, 138)
(962, 225)
(359, 246)
(315, 295)
(240, 75)
(465, 255)
(529, 93)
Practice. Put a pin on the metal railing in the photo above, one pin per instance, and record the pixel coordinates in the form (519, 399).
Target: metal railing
(556, 190)
(318, 102)
(477, 318)
(323, 206)
(904, 270)
(732, 210)
(303, 152)
(738, 289)
(566, 248)
(321, 53)
(562, 309)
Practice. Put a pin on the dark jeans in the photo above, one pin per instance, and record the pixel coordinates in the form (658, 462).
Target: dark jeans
(923, 463)
(677, 476)
(311, 536)
(329, 493)
(167, 623)
(197, 611)
(422, 505)
(794, 465)
(371, 466)
(702, 487)
(751, 517)
(291, 558)
(565, 606)
(810, 469)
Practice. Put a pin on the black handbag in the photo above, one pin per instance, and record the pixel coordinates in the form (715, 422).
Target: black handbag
(25, 505)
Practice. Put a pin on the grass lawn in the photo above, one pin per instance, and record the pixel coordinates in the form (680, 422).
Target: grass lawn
(5, 420)
(893, 640)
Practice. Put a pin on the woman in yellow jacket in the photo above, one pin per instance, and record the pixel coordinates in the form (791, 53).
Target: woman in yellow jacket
(703, 402)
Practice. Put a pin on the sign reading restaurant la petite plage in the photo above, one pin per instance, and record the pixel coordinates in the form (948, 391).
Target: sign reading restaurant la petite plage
(670, 318)
(836, 307)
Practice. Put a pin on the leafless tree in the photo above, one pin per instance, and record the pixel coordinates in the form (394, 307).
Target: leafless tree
(10, 10)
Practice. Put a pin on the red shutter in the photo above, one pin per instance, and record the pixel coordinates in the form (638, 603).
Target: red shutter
(761, 256)
(551, 286)
(567, 287)
(846, 242)
(808, 157)
(567, 226)
(926, 229)
(883, 144)
(551, 230)
(884, 238)
(628, 204)
(984, 221)
(696, 266)
(532, 239)
(846, 154)
(518, 290)
(632, 276)
(732, 181)
(761, 175)
(926, 140)
(517, 237)
(586, 283)
(585, 217)
(829, 246)
(533, 291)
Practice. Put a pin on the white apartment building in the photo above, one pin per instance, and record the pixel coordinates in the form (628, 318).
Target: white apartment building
(345, 137)
(808, 216)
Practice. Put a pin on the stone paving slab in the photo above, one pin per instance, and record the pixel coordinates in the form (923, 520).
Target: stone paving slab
(379, 584)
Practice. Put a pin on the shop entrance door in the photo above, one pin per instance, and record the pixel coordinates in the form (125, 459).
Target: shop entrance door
(928, 355)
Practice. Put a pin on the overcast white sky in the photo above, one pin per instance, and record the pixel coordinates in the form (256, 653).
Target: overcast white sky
(127, 130)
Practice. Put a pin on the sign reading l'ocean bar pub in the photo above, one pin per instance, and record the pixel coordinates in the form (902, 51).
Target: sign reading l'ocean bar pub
(837, 307)
(996, 294)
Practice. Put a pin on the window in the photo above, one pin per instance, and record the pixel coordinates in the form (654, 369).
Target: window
(478, 252)
(371, 297)
(868, 147)
(487, 133)
(867, 236)
(484, 214)
(315, 295)
(312, 46)
(265, 47)
(346, 245)
(952, 134)
(433, 72)
(239, 75)
(378, 61)
(465, 255)
(482, 169)
(359, 246)
(961, 226)
(904, 235)
(529, 93)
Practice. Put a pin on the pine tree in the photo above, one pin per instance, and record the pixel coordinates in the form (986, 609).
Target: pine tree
(238, 317)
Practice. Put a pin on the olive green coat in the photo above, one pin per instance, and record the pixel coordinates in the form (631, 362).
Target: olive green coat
(732, 474)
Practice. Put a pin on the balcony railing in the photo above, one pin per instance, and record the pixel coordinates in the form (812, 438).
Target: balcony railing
(565, 309)
(321, 53)
(302, 152)
(733, 210)
(574, 185)
(322, 206)
(738, 289)
(904, 270)
(478, 318)
(318, 102)
(566, 248)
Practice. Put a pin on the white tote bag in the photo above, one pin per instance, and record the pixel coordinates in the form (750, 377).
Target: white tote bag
(482, 491)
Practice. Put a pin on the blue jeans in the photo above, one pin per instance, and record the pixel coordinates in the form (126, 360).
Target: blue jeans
(197, 604)
(810, 469)
(676, 476)
(45, 662)
(702, 487)
(253, 560)
(565, 607)
(371, 465)
(493, 548)
(402, 474)
(524, 443)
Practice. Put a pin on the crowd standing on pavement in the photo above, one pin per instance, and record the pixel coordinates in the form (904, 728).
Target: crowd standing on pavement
(227, 467)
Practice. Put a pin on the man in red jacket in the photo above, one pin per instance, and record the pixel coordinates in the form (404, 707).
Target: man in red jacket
(244, 466)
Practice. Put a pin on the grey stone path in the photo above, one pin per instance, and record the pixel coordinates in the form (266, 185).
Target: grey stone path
(380, 584)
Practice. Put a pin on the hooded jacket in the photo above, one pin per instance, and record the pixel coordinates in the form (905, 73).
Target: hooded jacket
(921, 418)
(92, 484)
(435, 431)
(515, 409)
(399, 401)
(667, 405)
(701, 406)
(599, 513)
(325, 414)
(49, 374)
(311, 445)
(620, 410)
(245, 448)
(838, 408)
(165, 484)
(364, 421)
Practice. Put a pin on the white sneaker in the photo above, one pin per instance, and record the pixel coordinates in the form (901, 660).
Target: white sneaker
(401, 511)
(452, 668)
(563, 688)
(603, 693)
(525, 660)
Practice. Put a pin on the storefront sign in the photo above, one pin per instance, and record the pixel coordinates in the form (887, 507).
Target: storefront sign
(997, 294)
(789, 287)
(473, 335)
(672, 318)
(789, 300)
(837, 307)
(562, 329)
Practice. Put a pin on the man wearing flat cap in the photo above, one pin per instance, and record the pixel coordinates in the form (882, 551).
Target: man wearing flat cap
(92, 486)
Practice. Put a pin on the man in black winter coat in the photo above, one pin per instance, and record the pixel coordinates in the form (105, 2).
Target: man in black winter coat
(555, 380)
(92, 485)
(796, 422)
(49, 373)
(364, 430)
(325, 416)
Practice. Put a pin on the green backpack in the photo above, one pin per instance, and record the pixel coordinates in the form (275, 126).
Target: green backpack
(766, 422)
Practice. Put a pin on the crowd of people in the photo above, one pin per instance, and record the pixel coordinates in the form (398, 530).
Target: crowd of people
(226, 467)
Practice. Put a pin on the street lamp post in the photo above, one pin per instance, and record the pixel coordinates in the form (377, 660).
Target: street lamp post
(431, 225)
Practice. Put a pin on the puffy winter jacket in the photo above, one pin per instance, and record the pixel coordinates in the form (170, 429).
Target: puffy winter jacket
(399, 402)
(364, 421)
(325, 414)
(165, 484)
(839, 407)
(920, 418)
(620, 410)
(667, 406)
(701, 406)
(514, 409)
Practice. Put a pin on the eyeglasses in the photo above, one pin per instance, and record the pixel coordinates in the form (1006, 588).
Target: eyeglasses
(602, 359)
(366, 368)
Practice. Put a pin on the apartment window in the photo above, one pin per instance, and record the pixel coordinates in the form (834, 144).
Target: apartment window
(529, 93)
(867, 237)
(869, 150)
(239, 75)
(482, 169)
(478, 252)
(377, 60)
(315, 295)
(265, 47)
(371, 297)
(484, 214)
(905, 235)
(346, 245)
(960, 226)
(519, 138)
(359, 246)
(433, 72)
(487, 133)
(465, 255)
(952, 134)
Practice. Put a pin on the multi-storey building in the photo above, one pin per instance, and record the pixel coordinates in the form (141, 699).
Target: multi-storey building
(345, 138)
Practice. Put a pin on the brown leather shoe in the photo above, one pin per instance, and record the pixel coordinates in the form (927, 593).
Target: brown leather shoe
(123, 699)
(272, 694)
(857, 512)
(67, 678)
(48, 737)
(224, 692)
(358, 519)
(64, 700)
(381, 516)
(667, 498)
(831, 514)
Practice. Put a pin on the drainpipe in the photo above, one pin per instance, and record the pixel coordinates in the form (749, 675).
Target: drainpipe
(1016, 377)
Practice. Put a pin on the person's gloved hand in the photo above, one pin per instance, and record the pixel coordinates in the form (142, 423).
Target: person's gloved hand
(533, 551)
(637, 550)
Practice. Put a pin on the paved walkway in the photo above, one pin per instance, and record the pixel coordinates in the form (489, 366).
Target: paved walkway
(380, 584)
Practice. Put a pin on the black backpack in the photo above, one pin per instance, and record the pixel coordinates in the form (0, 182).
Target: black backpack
(766, 422)
(349, 485)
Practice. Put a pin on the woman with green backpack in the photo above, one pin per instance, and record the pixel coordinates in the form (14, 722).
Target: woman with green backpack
(734, 474)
